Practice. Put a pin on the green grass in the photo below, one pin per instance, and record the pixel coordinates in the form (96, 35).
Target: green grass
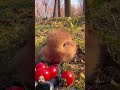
(42, 27)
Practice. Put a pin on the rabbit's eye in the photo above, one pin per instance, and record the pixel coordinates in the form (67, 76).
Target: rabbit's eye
(64, 44)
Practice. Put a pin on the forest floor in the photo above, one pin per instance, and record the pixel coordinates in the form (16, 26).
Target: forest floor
(76, 27)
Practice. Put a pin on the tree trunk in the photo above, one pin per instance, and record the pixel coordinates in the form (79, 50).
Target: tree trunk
(83, 7)
(46, 4)
(67, 8)
(59, 13)
(55, 8)
(46, 10)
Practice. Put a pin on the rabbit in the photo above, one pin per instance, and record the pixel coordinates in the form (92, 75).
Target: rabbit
(59, 47)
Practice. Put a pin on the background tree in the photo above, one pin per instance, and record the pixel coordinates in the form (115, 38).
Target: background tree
(67, 8)
(84, 7)
(59, 13)
(55, 8)
(45, 2)
(39, 11)
(81, 7)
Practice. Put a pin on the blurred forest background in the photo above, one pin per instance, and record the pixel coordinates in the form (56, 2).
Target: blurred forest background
(67, 15)
(103, 18)
(14, 18)
(56, 8)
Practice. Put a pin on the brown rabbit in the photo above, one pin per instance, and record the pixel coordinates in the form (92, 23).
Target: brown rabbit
(59, 47)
